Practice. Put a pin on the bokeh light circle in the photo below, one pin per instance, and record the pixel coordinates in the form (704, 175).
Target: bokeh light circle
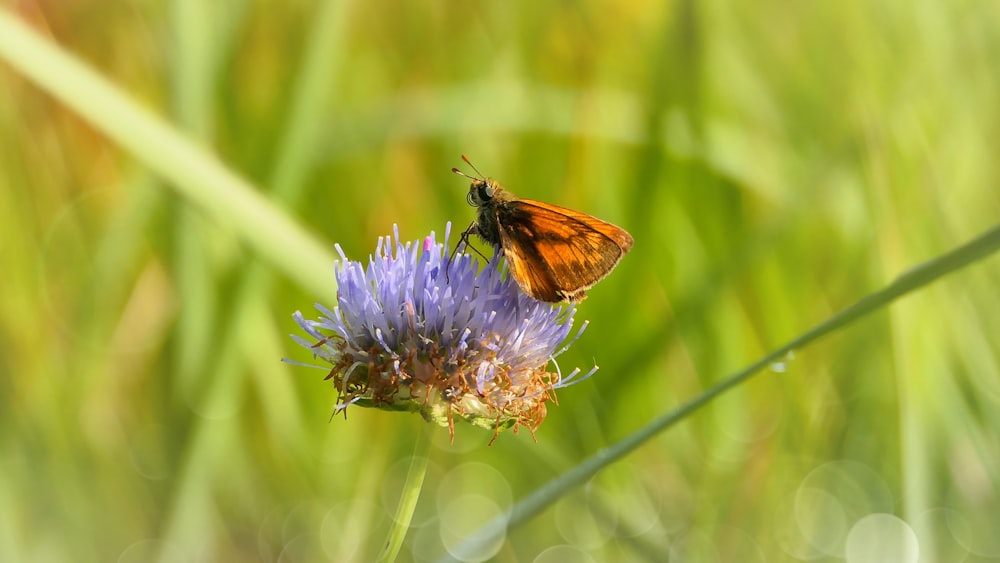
(878, 538)
(463, 517)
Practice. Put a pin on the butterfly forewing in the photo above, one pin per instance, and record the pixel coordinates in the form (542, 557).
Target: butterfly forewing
(555, 253)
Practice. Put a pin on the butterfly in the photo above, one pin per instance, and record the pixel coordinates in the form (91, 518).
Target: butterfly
(554, 254)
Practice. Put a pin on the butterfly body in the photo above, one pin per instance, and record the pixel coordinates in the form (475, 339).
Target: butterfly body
(554, 254)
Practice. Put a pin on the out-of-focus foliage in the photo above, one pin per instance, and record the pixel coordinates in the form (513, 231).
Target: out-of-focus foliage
(774, 161)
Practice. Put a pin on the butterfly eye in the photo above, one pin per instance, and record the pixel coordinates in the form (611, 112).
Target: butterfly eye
(480, 193)
(486, 192)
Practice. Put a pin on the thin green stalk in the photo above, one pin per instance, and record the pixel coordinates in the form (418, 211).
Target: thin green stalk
(408, 499)
(914, 278)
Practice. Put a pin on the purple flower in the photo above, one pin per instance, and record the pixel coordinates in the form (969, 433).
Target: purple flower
(413, 331)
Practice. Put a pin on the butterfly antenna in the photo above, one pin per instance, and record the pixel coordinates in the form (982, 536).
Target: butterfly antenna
(469, 162)
(460, 173)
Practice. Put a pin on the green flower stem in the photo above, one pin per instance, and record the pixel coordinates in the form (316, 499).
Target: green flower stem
(914, 278)
(408, 499)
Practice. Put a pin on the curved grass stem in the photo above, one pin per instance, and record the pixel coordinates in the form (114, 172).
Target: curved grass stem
(915, 278)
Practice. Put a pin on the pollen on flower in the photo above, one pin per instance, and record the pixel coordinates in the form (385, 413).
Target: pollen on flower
(414, 331)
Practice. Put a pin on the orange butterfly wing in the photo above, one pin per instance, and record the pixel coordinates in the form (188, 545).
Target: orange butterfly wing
(556, 254)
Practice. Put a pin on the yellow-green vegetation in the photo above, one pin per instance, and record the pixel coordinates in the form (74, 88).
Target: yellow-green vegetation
(173, 176)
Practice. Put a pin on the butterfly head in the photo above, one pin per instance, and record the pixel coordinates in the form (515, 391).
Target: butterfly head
(482, 191)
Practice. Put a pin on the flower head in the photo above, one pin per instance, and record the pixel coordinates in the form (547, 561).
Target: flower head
(416, 331)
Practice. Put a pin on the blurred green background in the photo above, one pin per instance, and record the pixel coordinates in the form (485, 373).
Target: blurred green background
(775, 161)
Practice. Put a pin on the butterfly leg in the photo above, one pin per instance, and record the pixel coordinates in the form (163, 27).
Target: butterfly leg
(464, 239)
